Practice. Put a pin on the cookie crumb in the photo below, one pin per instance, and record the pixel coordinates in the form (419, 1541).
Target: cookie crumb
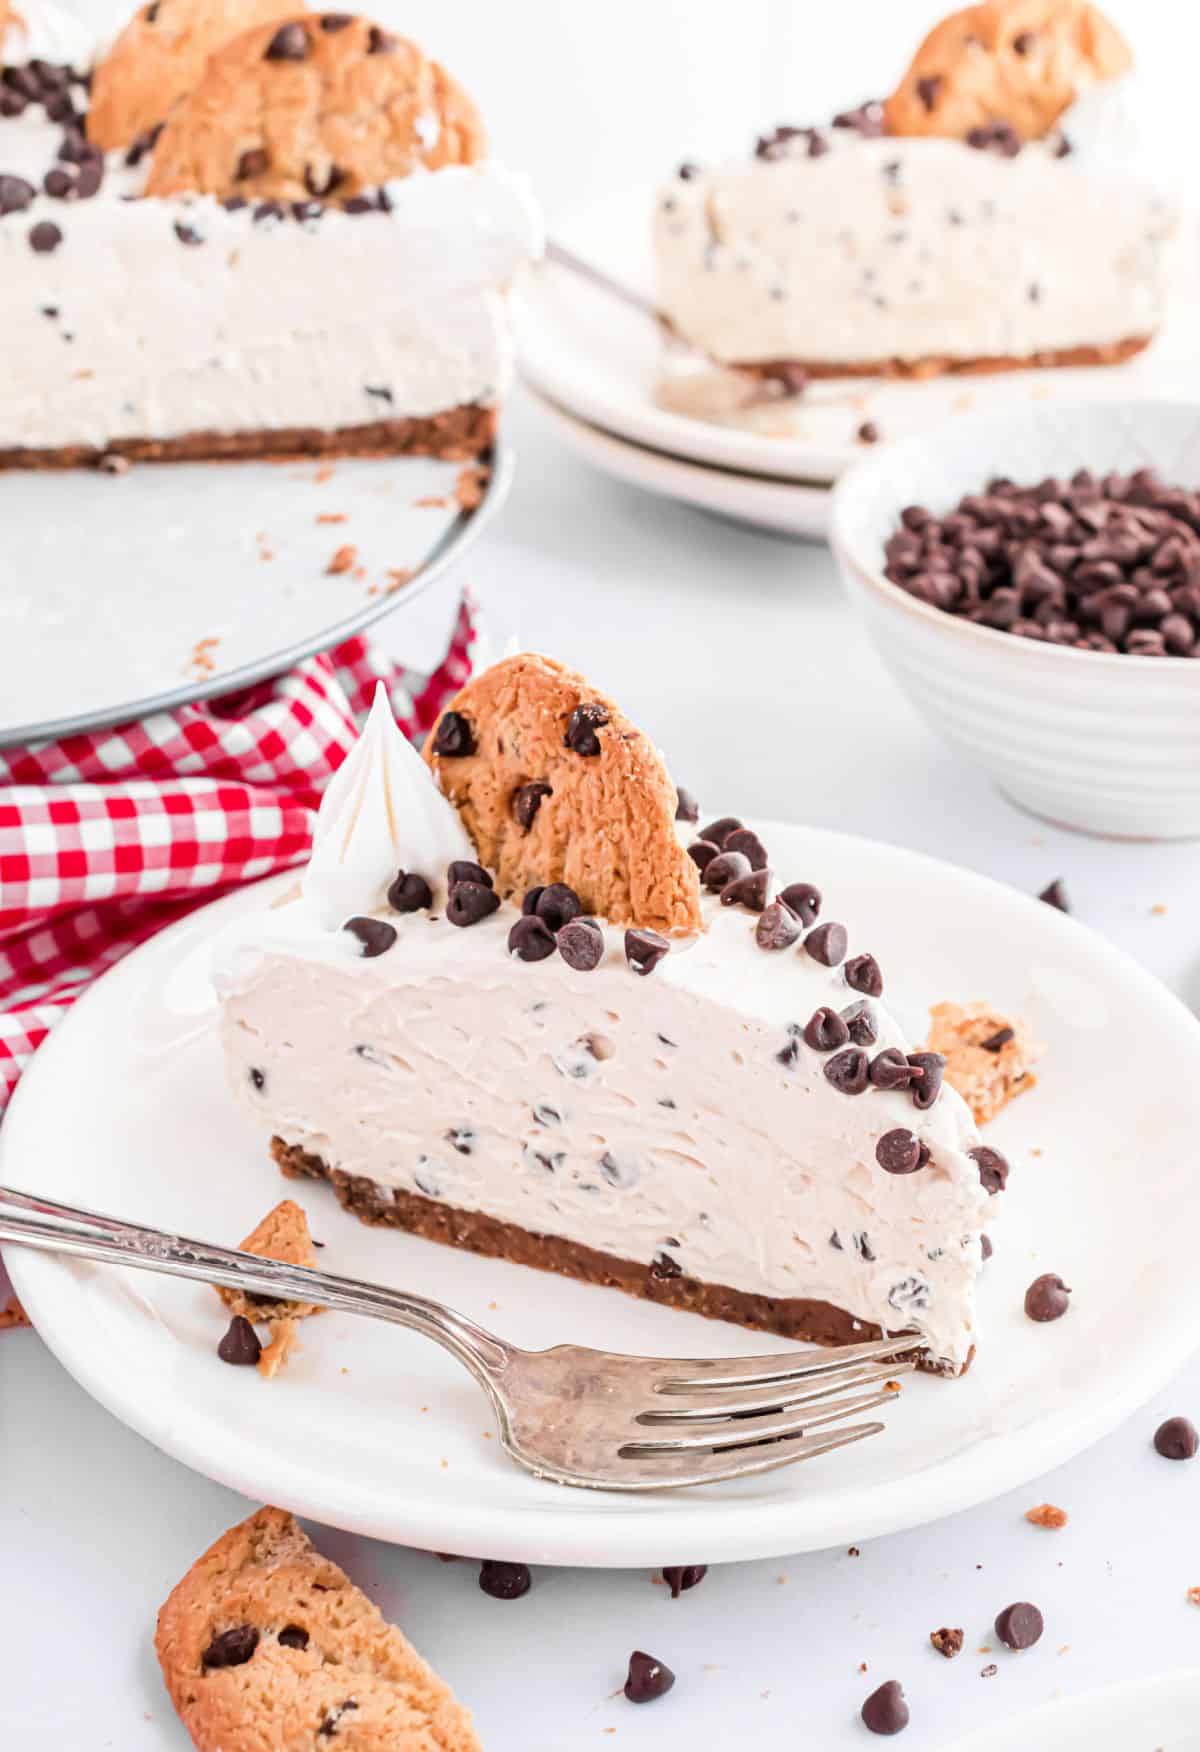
(398, 577)
(947, 1642)
(12, 1315)
(323, 474)
(1046, 1515)
(989, 1672)
(331, 517)
(853, 1551)
(343, 560)
(470, 486)
(1193, 1595)
(432, 501)
(1158, 909)
(202, 663)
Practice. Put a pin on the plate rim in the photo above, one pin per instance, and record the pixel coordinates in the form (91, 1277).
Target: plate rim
(564, 1528)
(447, 550)
(995, 1736)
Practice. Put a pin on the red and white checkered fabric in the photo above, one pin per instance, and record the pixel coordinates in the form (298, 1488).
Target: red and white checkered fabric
(107, 837)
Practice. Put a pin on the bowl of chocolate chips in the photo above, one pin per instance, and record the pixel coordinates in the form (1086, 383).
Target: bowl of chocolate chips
(1032, 581)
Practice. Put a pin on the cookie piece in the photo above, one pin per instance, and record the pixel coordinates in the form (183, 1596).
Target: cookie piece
(321, 107)
(159, 56)
(283, 1235)
(266, 1644)
(554, 784)
(989, 1057)
(1017, 61)
(12, 1314)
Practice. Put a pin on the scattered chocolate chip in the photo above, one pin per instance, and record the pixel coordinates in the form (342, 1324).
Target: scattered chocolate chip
(1047, 1298)
(45, 237)
(702, 853)
(469, 902)
(899, 1152)
(885, 1711)
(928, 1086)
(532, 896)
(868, 433)
(777, 928)
(680, 1577)
(826, 943)
(113, 463)
(380, 42)
(581, 944)
(1056, 895)
(747, 842)
(463, 870)
(531, 939)
(802, 899)
(994, 1042)
(860, 1023)
(454, 737)
(947, 1642)
(985, 1247)
(267, 211)
(890, 1069)
(293, 1636)
(644, 950)
(647, 1678)
(504, 1581)
(748, 891)
(526, 801)
(789, 1054)
(662, 1266)
(557, 905)
(866, 119)
(686, 806)
(847, 1070)
(862, 974)
(1019, 1626)
(258, 1078)
(928, 89)
(375, 935)
(825, 1030)
(1177, 1439)
(582, 726)
(725, 867)
(15, 194)
(687, 171)
(239, 1345)
(322, 183)
(59, 184)
(778, 144)
(409, 893)
(233, 1648)
(993, 1168)
(717, 832)
(187, 233)
(999, 137)
(290, 43)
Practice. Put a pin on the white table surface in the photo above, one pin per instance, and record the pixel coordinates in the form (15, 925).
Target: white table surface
(737, 653)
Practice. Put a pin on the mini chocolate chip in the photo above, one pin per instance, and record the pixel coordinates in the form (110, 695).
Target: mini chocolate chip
(290, 43)
(899, 1152)
(463, 1138)
(993, 1168)
(748, 891)
(526, 801)
(1047, 1298)
(725, 867)
(582, 726)
(233, 1648)
(928, 88)
(644, 950)
(504, 1581)
(663, 1266)
(1024, 42)
(323, 183)
(825, 1030)
(686, 806)
(885, 1711)
(777, 928)
(789, 1055)
(1019, 1626)
(375, 935)
(717, 832)
(530, 939)
(409, 893)
(330, 1720)
(468, 902)
(802, 899)
(927, 1087)
(532, 896)
(87, 183)
(15, 194)
(187, 233)
(985, 1246)
(44, 238)
(891, 1070)
(947, 1642)
(581, 944)
(267, 210)
(58, 183)
(995, 1041)
(453, 738)
(868, 433)
(862, 974)
(258, 1078)
(847, 1070)
(680, 1577)
(332, 21)
(239, 1345)
(860, 1021)
(647, 1678)
(557, 905)
(702, 853)
(826, 943)
(1177, 1439)
(293, 1636)
(380, 42)
(462, 870)
(1056, 895)
(746, 841)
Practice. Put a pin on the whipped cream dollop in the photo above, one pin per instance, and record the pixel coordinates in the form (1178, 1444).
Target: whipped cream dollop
(382, 812)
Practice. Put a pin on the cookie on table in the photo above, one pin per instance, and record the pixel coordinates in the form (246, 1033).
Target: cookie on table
(326, 106)
(1017, 61)
(283, 1235)
(159, 56)
(554, 784)
(989, 1057)
(266, 1646)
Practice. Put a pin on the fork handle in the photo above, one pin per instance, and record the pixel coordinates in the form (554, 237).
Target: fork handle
(90, 1235)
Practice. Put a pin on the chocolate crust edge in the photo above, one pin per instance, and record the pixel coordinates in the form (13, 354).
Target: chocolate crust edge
(937, 365)
(788, 1317)
(459, 433)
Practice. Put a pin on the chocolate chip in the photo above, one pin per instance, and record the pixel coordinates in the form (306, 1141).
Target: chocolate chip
(717, 832)
(868, 433)
(330, 1720)
(1056, 895)
(239, 1345)
(826, 943)
(866, 119)
(994, 1042)
(380, 42)
(581, 944)
(88, 181)
(468, 902)
(375, 935)
(258, 1078)
(647, 1678)
(686, 806)
(1024, 42)
(985, 1247)
(59, 184)
(44, 238)
(999, 137)
(525, 802)
(454, 737)
(662, 1266)
(725, 867)
(825, 1030)
(802, 899)
(947, 1642)
(747, 842)
(748, 891)
(463, 870)
(680, 1577)
(332, 21)
(928, 1086)
(268, 210)
(644, 950)
(928, 88)
(777, 928)
(233, 1648)
(847, 1070)
(293, 1636)
(531, 939)
(885, 1711)
(290, 43)
(1047, 1298)
(409, 893)
(862, 974)
(187, 233)
(463, 1138)
(860, 1023)
(12, 104)
(323, 183)
(993, 1168)
(557, 905)
(582, 726)
(1176, 1439)
(891, 1070)
(702, 853)
(532, 896)
(899, 1152)
(504, 1581)
(1019, 1626)
(789, 1055)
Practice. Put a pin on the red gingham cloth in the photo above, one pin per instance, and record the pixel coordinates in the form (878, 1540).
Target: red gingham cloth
(107, 837)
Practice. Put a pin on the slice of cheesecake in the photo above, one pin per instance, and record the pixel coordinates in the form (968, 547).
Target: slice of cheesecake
(506, 1011)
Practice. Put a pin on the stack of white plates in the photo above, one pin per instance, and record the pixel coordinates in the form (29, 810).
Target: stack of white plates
(595, 365)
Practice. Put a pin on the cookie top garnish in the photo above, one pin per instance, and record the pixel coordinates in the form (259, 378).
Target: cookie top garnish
(160, 56)
(605, 819)
(325, 106)
(1017, 61)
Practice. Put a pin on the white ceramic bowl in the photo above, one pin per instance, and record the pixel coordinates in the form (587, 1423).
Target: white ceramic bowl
(1105, 743)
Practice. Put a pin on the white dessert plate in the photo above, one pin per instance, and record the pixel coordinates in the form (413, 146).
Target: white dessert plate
(600, 360)
(178, 581)
(1143, 1715)
(783, 507)
(375, 1430)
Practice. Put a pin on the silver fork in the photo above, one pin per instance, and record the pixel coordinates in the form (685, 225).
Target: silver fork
(569, 1414)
